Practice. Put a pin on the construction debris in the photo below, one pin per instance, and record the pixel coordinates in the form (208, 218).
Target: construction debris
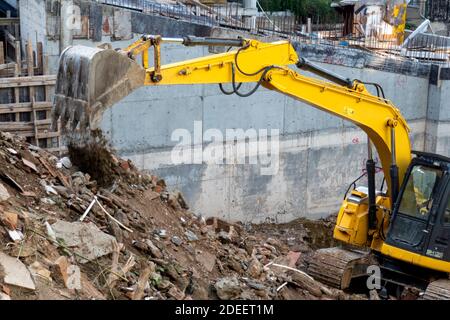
(4, 194)
(15, 272)
(135, 240)
(88, 241)
(228, 288)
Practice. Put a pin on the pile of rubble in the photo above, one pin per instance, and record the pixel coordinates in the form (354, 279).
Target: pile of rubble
(64, 236)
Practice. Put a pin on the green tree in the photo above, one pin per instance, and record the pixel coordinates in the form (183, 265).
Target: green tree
(315, 9)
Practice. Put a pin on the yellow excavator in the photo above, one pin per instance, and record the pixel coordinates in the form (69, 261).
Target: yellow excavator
(402, 227)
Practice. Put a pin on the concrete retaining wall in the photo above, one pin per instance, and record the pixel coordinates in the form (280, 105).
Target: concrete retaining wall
(438, 114)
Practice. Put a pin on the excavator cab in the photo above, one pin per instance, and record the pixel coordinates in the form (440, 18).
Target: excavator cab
(421, 217)
(414, 249)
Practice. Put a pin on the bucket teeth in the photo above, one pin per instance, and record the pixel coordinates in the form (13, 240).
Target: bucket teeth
(89, 81)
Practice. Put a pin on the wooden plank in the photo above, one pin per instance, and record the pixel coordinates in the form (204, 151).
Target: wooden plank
(55, 173)
(2, 53)
(27, 81)
(26, 129)
(18, 58)
(10, 38)
(17, 74)
(25, 106)
(9, 72)
(30, 72)
(9, 21)
(40, 59)
(39, 105)
(24, 134)
(49, 134)
(43, 122)
(59, 150)
(17, 30)
(30, 60)
(17, 126)
(10, 65)
(48, 98)
(20, 110)
(35, 70)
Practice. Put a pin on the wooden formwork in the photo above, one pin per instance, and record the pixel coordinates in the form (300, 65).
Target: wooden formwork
(26, 94)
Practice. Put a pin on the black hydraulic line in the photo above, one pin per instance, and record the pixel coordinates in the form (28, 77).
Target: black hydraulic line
(236, 88)
(201, 41)
(382, 91)
(377, 86)
(240, 70)
(393, 170)
(381, 230)
(353, 183)
(370, 168)
(378, 91)
(306, 65)
(228, 92)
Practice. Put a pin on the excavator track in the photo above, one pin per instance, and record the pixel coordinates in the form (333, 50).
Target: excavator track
(336, 267)
(438, 290)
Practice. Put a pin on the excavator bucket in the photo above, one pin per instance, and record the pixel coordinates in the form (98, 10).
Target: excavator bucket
(89, 81)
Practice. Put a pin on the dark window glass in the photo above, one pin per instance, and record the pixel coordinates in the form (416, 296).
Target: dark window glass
(417, 197)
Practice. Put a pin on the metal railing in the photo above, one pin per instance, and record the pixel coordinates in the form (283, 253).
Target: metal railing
(216, 15)
(438, 10)
(129, 4)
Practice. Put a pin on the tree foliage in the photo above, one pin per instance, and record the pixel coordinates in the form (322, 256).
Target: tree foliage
(301, 8)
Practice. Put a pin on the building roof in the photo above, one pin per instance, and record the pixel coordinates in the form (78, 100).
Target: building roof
(5, 7)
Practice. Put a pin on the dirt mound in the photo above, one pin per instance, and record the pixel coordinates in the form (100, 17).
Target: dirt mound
(64, 235)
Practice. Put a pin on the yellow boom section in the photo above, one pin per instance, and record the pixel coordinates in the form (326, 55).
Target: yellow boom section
(217, 68)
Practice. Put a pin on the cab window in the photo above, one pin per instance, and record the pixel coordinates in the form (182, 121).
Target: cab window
(418, 194)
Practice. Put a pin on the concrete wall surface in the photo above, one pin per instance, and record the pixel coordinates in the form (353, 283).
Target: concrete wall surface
(33, 20)
(438, 118)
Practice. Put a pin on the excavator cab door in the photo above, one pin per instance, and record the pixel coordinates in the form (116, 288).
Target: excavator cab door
(411, 225)
(439, 244)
